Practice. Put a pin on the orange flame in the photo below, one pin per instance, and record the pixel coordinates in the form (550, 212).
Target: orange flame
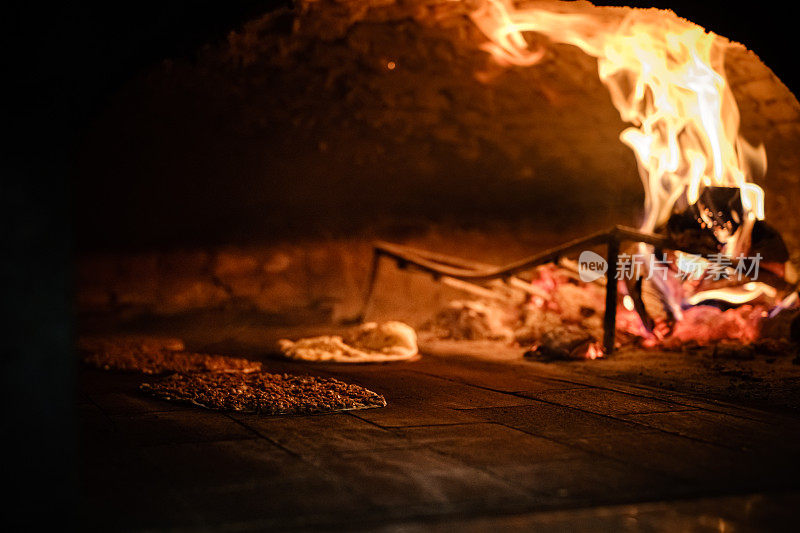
(666, 78)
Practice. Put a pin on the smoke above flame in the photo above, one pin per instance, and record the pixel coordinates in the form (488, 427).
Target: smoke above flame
(666, 78)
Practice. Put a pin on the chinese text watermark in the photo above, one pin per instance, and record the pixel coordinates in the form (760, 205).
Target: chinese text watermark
(715, 267)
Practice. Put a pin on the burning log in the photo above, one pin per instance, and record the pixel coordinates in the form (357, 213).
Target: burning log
(705, 227)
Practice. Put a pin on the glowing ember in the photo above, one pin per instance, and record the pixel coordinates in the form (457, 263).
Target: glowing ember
(627, 303)
(705, 325)
(594, 351)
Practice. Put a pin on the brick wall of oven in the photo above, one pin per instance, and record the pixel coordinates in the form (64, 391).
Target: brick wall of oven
(285, 284)
(309, 133)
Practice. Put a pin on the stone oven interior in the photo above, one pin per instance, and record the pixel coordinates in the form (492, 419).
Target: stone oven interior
(305, 137)
(232, 196)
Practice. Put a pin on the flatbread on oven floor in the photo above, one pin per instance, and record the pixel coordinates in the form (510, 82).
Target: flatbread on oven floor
(264, 393)
(369, 343)
(154, 355)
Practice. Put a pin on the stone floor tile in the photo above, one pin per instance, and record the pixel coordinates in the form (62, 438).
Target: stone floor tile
(589, 479)
(606, 402)
(412, 479)
(489, 375)
(397, 385)
(488, 446)
(227, 462)
(321, 434)
(556, 421)
(413, 413)
(177, 426)
(711, 467)
(725, 430)
(134, 402)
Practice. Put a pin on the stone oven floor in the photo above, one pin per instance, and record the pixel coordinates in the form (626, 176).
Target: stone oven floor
(464, 442)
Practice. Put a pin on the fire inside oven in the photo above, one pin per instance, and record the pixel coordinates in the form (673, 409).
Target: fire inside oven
(702, 248)
(497, 117)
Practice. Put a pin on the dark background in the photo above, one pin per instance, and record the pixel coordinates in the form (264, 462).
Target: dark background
(63, 63)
